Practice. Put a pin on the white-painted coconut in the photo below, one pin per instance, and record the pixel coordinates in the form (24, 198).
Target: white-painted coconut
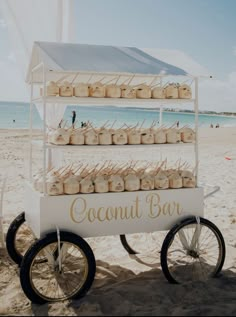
(97, 90)
(172, 91)
(147, 137)
(60, 137)
(119, 137)
(113, 91)
(185, 92)
(175, 181)
(147, 182)
(134, 137)
(52, 89)
(132, 182)
(86, 186)
(91, 138)
(71, 185)
(39, 184)
(66, 90)
(116, 184)
(173, 136)
(158, 93)
(160, 137)
(143, 92)
(77, 137)
(101, 184)
(187, 135)
(189, 180)
(128, 92)
(81, 90)
(37, 178)
(161, 180)
(105, 137)
(54, 186)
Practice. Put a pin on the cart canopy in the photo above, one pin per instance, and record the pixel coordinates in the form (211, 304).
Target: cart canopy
(96, 59)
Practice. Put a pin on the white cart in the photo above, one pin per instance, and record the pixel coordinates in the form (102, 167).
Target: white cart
(56, 261)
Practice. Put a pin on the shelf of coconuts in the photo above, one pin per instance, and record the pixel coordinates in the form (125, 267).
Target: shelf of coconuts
(39, 143)
(108, 101)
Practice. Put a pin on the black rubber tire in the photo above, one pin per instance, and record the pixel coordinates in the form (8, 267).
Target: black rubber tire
(11, 237)
(170, 236)
(39, 245)
(126, 246)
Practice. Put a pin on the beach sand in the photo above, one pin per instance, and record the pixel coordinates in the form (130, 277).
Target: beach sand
(129, 285)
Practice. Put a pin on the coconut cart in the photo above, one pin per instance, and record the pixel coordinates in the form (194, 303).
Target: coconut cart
(48, 240)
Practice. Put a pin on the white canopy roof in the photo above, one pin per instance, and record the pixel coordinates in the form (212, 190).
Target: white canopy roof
(97, 59)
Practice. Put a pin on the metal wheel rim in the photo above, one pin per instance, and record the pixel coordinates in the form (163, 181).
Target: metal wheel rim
(200, 262)
(51, 282)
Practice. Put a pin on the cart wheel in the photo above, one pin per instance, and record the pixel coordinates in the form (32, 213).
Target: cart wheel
(140, 243)
(193, 251)
(67, 273)
(19, 239)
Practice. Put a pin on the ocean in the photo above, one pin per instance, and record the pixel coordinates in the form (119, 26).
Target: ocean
(16, 116)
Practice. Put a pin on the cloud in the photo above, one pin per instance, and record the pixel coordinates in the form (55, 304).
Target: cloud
(214, 94)
(12, 86)
(234, 50)
(3, 24)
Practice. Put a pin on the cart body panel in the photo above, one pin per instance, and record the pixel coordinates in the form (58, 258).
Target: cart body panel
(93, 215)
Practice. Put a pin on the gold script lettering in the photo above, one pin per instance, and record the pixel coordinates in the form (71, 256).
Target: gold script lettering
(154, 203)
(78, 210)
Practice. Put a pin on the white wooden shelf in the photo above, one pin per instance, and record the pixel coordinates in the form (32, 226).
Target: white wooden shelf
(126, 146)
(108, 101)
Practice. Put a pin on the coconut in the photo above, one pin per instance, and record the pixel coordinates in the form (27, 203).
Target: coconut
(71, 185)
(77, 137)
(144, 92)
(147, 182)
(81, 90)
(132, 182)
(185, 92)
(160, 137)
(66, 90)
(134, 137)
(116, 184)
(101, 184)
(86, 186)
(189, 180)
(187, 135)
(128, 92)
(175, 180)
(161, 180)
(113, 91)
(147, 137)
(97, 90)
(158, 93)
(51, 90)
(173, 136)
(54, 186)
(172, 91)
(60, 137)
(105, 137)
(120, 137)
(91, 138)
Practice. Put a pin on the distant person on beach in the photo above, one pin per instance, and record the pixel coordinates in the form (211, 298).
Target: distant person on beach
(14, 120)
(211, 126)
(177, 124)
(217, 126)
(73, 118)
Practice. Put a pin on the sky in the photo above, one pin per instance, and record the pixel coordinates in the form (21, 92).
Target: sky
(195, 35)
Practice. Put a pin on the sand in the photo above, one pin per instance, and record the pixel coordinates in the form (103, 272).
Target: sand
(133, 285)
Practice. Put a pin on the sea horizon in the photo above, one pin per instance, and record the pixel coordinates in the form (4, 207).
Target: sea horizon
(15, 115)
